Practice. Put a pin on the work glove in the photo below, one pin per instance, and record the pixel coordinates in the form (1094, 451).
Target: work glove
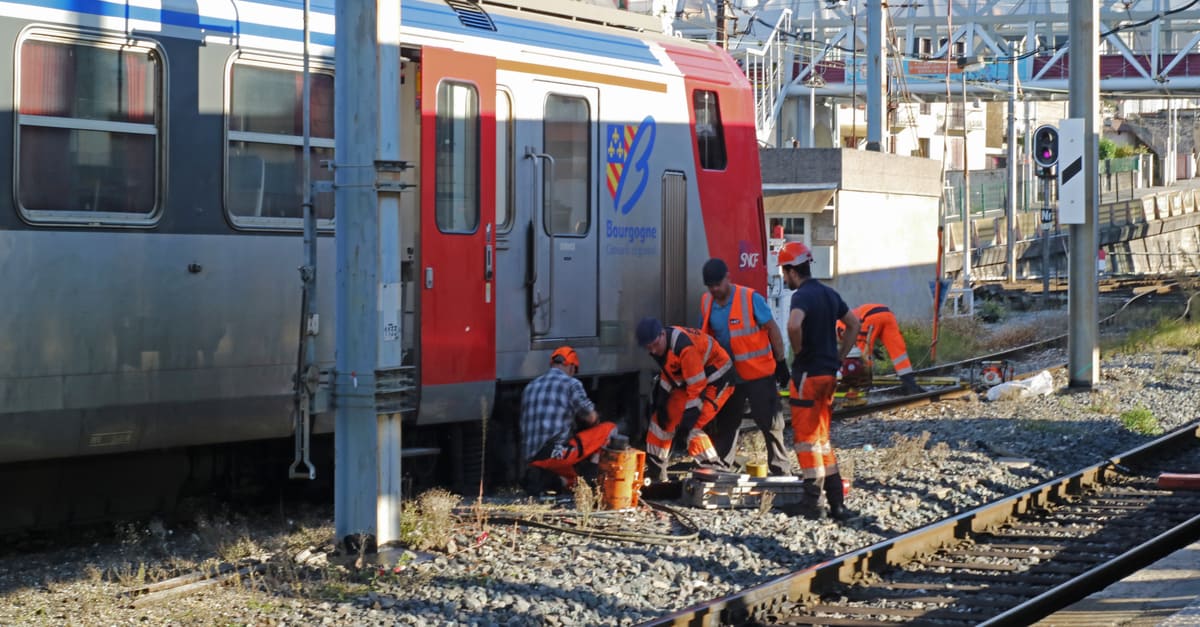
(878, 351)
(783, 375)
(691, 416)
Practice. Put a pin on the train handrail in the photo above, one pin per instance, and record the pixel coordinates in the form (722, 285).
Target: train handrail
(541, 184)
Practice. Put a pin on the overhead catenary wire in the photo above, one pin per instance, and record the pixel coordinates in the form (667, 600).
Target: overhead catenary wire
(799, 35)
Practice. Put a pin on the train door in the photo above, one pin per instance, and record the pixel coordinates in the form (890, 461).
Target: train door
(562, 227)
(458, 318)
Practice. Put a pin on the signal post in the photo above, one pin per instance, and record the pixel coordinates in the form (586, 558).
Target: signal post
(1045, 155)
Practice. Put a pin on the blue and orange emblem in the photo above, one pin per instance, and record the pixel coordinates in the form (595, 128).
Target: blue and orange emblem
(628, 148)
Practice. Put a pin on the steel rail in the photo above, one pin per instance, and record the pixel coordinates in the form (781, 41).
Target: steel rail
(860, 565)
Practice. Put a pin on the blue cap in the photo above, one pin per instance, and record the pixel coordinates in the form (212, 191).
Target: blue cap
(648, 330)
(714, 271)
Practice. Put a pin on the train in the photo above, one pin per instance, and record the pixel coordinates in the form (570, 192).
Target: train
(149, 297)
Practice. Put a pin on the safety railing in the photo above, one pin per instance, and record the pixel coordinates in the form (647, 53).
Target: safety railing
(769, 67)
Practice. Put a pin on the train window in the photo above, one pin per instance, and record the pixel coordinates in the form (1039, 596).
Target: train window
(264, 181)
(504, 160)
(566, 132)
(90, 123)
(456, 180)
(710, 136)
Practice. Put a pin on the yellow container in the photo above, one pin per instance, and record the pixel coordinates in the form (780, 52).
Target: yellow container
(756, 469)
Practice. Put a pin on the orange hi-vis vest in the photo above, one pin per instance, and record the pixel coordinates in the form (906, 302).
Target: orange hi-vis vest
(749, 343)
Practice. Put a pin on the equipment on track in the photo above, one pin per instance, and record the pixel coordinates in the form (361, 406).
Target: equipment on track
(710, 489)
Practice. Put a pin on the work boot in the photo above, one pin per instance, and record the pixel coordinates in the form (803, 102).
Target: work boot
(836, 497)
(908, 383)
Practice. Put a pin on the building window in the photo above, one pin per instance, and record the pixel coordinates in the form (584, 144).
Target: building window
(504, 160)
(710, 136)
(567, 136)
(264, 181)
(456, 179)
(89, 124)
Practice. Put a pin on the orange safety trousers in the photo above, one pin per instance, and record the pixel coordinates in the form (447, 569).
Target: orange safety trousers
(581, 446)
(662, 429)
(812, 411)
(878, 323)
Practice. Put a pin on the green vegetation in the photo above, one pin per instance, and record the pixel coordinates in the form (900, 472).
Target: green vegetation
(1123, 151)
(990, 311)
(958, 338)
(1139, 420)
(1157, 332)
(1108, 148)
(1111, 150)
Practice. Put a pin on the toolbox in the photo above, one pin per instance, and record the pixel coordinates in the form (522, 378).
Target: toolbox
(709, 489)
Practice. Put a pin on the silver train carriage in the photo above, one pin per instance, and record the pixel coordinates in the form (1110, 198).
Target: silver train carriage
(148, 261)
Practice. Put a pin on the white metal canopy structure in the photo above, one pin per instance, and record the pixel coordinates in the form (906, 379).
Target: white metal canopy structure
(1148, 48)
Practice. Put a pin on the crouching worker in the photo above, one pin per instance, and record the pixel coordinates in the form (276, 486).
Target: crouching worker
(562, 432)
(696, 374)
(879, 325)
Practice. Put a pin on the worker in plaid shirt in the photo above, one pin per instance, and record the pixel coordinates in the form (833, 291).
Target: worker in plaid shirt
(562, 432)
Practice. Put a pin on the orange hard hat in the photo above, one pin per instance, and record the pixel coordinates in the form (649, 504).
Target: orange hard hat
(794, 254)
(564, 355)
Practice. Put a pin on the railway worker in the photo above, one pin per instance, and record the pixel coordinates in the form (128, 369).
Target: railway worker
(562, 432)
(740, 320)
(697, 376)
(878, 323)
(812, 328)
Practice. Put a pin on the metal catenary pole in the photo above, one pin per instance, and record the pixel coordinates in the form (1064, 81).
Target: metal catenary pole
(1083, 348)
(356, 100)
(1010, 207)
(389, 335)
(966, 254)
(876, 75)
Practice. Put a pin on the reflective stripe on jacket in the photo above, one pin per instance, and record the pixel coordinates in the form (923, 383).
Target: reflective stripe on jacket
(692, 362)
(750, 343)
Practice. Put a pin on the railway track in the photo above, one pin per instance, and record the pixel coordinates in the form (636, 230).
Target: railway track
(1009, 562)
(884, 397)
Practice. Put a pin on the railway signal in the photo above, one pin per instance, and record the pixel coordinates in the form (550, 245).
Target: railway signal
(1045, 149)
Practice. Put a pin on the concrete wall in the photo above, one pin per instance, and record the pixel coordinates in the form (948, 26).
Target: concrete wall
(887, 251)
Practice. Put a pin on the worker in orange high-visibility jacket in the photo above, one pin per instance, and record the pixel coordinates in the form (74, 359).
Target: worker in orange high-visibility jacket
(879, 324)
(812, 327)
(696, 377)
(741, 321)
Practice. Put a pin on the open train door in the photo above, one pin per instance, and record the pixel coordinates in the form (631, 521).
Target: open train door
(458, 174)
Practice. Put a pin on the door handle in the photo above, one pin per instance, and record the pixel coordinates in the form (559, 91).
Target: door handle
(487, 263)
(429, 277)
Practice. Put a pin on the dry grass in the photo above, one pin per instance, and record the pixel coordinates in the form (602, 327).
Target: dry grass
(904, 453)
(1013, 335)
(755, 446)
(588, 500)
(428, 522)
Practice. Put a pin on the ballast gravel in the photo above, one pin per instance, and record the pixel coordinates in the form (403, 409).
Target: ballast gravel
(908, 467)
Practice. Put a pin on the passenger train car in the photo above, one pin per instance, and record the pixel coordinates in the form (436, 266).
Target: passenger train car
(149, 298)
